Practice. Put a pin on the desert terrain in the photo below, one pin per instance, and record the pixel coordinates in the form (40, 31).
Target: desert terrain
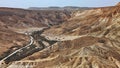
(82, 38)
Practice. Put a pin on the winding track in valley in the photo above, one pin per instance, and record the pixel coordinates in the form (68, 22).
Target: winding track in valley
(31, 42)
(2, 62)
(54, 38)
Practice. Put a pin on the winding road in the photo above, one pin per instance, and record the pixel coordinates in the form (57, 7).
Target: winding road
(2, 62)
(31, 42)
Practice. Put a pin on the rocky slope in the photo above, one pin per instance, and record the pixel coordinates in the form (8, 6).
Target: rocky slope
(10, 41)
(89, 39)
(98, 46)
(14, 21)
(88, 21)
(21, 18)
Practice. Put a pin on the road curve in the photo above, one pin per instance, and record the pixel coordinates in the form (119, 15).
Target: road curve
(31, 42)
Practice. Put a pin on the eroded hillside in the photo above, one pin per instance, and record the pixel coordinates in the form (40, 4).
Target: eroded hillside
(97, 45)
(89, 39)
(21, 18)
(14, 21)
(89, 21)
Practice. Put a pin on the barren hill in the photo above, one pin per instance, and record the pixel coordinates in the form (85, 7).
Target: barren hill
(21, 18)
(14, 21)
(89, 21)
(98, 46)
(86, 39)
